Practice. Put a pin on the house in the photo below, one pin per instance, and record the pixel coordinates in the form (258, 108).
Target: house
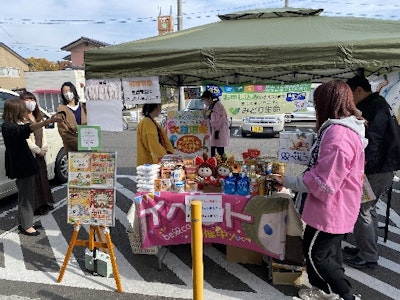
(77, 49)
(12, 68)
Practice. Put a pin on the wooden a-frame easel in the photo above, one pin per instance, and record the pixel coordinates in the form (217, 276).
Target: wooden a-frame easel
(91, 244)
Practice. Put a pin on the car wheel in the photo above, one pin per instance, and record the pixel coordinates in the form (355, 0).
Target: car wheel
(244, 134)
(61, 168)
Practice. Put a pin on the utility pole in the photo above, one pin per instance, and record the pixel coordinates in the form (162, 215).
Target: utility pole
(179, 15)
(181, 96)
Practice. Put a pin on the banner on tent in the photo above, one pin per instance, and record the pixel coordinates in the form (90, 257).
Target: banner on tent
(243, 100)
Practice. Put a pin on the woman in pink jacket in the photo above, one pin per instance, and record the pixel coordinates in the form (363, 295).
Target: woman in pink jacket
(333, 181)
(218, 123)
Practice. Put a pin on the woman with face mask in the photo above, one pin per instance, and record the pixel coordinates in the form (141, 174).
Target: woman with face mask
(74, 114)
(37, 142)
(19, 161)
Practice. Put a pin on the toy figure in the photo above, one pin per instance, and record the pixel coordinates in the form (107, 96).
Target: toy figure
(206, 171)
(223, 171)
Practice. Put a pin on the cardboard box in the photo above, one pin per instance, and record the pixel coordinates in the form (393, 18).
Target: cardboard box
(294, 147)
(207, 188)
(243, 256)
(286, 277)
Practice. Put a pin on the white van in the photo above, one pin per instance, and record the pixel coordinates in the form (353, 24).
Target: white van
(269, 125)
(56, 157)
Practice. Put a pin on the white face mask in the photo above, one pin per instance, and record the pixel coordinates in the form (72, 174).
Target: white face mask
(69, 96)
(31, 105)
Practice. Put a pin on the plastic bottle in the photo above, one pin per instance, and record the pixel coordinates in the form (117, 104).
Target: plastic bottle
(253, 184)
(230, 185)
(243, 184)
(243, 170)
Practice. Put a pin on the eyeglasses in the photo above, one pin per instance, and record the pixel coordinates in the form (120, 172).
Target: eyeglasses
(29, 98)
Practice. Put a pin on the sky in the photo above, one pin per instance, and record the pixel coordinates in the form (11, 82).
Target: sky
(41, 28)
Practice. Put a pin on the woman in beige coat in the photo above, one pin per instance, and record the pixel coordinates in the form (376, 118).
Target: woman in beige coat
(74, 114)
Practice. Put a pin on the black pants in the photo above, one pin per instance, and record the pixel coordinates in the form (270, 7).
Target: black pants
(323, 255)
(220, 150)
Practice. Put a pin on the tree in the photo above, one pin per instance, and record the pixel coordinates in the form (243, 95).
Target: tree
(42, 64)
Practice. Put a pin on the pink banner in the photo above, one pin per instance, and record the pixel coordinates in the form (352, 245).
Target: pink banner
(258, 224)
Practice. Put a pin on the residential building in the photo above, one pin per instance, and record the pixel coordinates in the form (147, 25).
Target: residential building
(12, 68)
(77, 49)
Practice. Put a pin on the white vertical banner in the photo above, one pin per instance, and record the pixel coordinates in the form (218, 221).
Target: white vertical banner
(104, 103)
(141, 90)
(388, 86)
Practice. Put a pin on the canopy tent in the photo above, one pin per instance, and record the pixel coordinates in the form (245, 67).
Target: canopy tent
(279, 45)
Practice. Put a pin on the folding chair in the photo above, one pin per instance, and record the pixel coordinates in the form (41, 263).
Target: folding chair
(387, 217)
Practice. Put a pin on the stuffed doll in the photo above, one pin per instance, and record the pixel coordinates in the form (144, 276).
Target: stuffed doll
(206, 171)
(223, 171)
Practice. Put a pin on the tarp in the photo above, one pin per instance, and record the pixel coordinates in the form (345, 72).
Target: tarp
(279, 45)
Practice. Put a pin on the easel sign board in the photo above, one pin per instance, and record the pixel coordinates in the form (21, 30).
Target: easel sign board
(91, 188)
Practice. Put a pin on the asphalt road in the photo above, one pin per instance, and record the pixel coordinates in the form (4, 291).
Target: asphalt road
(30, 266)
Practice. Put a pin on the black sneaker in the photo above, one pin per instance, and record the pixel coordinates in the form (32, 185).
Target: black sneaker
(359, 263)
(353, 251)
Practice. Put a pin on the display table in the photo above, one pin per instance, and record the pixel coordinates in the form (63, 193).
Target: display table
(259, 223)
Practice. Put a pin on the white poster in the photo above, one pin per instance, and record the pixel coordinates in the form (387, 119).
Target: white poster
(388, 86)
(104, 103)
(141, 90)
(211, 207)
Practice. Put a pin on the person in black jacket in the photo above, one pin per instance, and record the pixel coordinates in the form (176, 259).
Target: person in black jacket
(19, 161)
(381, 160)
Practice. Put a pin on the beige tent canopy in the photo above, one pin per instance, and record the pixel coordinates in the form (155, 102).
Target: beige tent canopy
(279, 45)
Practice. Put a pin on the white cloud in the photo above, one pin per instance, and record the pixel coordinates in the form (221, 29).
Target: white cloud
(28, 27)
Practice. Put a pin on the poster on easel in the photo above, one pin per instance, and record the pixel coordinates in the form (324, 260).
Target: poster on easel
(91, 188)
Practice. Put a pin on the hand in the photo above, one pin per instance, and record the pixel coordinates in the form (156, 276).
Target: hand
(42, 153)
(276, 177)
(55, 119)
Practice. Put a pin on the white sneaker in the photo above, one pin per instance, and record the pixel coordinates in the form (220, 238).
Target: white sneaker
(357, 297)
(316, 294)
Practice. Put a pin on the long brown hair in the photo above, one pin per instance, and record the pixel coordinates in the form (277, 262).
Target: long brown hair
(37, 114)
(334, 100)
(14, 110)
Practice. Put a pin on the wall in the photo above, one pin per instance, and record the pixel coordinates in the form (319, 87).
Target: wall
(8, 60)
(77, 54)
